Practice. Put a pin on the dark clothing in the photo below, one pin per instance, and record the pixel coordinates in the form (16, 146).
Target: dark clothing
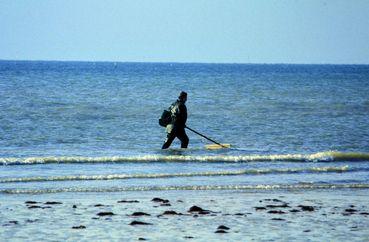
(179, 114)
(177, 127)
(180, 133)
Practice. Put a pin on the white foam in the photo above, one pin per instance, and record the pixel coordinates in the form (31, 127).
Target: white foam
(211, 187)
(169, 175)
(315, 157)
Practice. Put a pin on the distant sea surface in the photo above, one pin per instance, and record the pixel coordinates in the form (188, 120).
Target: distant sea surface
(290, 127)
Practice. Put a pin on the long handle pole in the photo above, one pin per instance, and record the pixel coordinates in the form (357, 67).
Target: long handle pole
(206, 137)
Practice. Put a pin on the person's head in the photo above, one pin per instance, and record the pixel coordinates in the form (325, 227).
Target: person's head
(183, 96)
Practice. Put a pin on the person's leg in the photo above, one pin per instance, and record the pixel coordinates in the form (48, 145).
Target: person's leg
(169, 140)
(182, 136)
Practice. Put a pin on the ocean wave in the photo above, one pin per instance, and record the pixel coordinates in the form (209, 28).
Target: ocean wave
(171, 175)
(315, 157)
(308, 186)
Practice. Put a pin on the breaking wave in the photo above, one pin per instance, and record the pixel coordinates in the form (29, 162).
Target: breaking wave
(315, 157)
(308, 186)
(170, 175)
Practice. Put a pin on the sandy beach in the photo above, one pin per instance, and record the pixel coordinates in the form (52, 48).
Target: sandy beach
(319, 215)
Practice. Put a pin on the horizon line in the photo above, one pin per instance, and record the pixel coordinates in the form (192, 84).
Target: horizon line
(184, 62)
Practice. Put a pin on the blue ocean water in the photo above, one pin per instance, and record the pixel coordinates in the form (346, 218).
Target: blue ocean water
(289, 125)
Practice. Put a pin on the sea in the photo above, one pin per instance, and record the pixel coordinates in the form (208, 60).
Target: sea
(77, 128)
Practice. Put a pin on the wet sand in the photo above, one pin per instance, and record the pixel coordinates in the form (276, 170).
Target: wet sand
(317, 215)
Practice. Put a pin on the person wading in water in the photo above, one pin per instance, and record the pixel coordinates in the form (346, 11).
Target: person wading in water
(177, 126)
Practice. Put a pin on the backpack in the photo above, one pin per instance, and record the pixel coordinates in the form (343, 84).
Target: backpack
(168, 115)
(166, 118)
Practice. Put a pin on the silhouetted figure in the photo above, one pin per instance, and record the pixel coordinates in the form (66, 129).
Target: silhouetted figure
(176, 128)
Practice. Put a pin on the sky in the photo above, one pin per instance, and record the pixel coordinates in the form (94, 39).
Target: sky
(210, 31)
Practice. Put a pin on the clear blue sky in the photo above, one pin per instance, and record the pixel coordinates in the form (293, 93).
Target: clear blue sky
(226, 31)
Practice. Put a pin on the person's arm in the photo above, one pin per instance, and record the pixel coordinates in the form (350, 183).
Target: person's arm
(182, 114)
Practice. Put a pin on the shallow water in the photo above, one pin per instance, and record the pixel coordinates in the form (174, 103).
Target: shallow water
(106, 109)
(82, 127)
(274, 116)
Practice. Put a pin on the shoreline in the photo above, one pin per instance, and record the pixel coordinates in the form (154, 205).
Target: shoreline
(187, 215)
